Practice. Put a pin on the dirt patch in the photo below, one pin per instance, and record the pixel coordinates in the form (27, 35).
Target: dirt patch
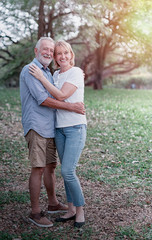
(105, 210)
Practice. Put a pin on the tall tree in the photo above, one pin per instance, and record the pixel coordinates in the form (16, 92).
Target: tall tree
(117, 50)
(106, 35)
(44, 17)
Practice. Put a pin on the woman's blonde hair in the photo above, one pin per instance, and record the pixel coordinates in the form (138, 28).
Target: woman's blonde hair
(67, 46)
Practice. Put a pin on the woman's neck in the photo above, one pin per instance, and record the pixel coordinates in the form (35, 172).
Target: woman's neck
(64, 69)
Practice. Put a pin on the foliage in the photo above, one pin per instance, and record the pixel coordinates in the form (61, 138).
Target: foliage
(18, 51)
(109, 37)
(116, 51)
(20, 55)
(18, 20)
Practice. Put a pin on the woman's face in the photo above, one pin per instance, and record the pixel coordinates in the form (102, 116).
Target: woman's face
(63, 57)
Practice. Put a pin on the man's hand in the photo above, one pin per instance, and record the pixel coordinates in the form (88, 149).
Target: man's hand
(79, 108)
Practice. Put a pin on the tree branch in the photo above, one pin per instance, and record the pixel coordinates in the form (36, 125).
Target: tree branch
(7, 52)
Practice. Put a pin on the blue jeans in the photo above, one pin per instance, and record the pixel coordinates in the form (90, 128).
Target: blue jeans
(70, 142)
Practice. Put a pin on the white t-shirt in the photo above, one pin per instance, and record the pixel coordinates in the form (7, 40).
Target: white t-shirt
(74, 76)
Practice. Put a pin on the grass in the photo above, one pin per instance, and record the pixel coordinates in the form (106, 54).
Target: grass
(117, 155)
(44, 234)
(119, 133)
(131, 234)
(14, 197)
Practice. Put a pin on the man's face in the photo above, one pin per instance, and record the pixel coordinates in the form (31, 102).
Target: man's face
(45, 53)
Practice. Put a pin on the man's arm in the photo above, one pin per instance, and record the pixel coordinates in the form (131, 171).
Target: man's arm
(72, 107)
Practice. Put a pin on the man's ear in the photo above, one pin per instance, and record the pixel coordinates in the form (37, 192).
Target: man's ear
(35, 51)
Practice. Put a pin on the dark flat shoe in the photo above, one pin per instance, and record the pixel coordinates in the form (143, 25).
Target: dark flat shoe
(78, 224)
(65, 219)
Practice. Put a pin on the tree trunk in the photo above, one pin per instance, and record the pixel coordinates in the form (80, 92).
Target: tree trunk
(98, 81)
(41, 21)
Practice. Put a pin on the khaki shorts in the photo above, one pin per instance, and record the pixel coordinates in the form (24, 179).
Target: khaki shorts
(42, 150)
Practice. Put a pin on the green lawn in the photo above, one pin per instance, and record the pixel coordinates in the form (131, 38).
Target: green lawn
(119, 137)
(115, 168)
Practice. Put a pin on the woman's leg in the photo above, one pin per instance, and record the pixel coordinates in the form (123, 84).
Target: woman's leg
(60, 142)
(74, 144)
(70, 142)
(79, 214)
(60, 139)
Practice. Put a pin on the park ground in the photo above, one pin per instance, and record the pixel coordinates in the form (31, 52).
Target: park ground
(115, 170)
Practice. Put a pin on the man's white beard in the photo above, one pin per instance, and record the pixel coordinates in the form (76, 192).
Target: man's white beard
(44, 61)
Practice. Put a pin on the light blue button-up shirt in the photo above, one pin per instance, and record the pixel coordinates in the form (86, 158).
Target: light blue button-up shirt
(34, 116)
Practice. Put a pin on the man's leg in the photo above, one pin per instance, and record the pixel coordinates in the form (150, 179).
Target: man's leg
(50, 179)
(49, 182)
(36, 216)
(35, 187)
(37, 156)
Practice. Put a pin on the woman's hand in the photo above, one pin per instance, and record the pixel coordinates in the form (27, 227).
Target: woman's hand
(79, 108)
(36, 72)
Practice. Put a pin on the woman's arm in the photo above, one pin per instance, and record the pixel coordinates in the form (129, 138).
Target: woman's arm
(66, 91)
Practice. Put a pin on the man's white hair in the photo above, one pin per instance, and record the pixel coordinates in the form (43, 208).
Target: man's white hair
(43, 38)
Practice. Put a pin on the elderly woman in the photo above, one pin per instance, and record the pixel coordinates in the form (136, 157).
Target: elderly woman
(70, 127)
